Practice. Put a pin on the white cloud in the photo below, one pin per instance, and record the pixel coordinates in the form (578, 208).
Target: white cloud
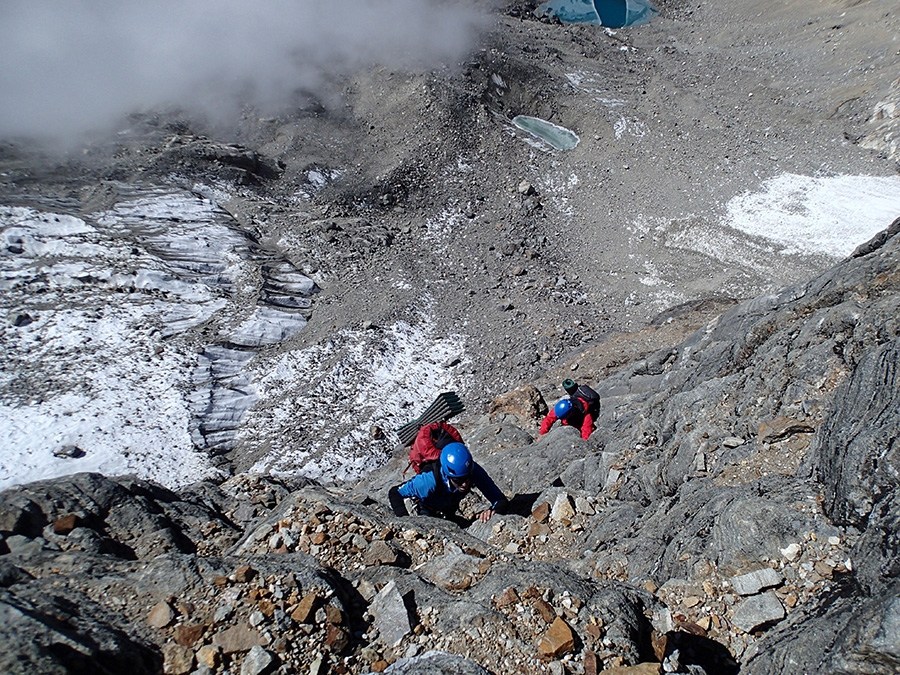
(75, 65)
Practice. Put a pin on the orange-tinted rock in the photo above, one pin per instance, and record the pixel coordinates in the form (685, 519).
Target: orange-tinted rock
(306, 609)
(186, 636)
(333, 615)
(336, 639)
(209, 656)
(509, 597)
(244, 573)
(65, 524)
(558, 640)
(659, 641)
(544, 608)
(542, 512)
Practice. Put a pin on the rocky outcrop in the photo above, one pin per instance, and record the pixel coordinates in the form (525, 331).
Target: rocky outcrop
(736, 510)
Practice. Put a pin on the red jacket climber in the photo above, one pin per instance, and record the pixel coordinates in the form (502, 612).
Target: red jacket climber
(572, 413)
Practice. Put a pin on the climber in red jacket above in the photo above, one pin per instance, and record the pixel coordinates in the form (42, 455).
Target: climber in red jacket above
(579, 410)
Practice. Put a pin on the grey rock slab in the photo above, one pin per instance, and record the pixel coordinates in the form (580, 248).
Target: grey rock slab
(257, 661)
(454, 571)
(757, 611)
(753, 582)
(390, 614)
(41, 633)
(435, 663)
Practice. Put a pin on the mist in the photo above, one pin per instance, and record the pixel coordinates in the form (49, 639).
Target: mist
(73, 66)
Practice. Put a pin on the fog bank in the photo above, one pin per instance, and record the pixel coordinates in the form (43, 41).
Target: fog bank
(76, 65)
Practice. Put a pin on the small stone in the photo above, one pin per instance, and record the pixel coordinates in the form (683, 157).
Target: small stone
(237, 639)
(791, 600)
(336, 638)
(381, 553)
(824, 570)
(244, 574)
(223, 613)
(583, 506)
(390, 615)
(558, 639)
(733, 442)
(692, 601)
(562, 508)
(379, 666)
(544, 608)
(672, 662)
(69, 451)
(19, 319)
(591, 663)
(333, 615)
(65, 524)
(209, 656)
(177, 660)
(186, 636)
(526, 188)
(256, 662)
(161, 615)
(753, 582)
(757, 611)
(791, 552)
(660, 643)
(541, 512)
(509, 597)
(305, 611)
(317, 666)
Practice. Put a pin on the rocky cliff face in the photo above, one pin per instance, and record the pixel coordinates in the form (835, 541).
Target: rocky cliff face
(735, 511)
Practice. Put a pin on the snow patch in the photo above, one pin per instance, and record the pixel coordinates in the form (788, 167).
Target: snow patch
(804, 214)
(320, 403)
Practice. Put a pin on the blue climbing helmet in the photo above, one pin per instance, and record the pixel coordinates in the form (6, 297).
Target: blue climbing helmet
(456, 461)
(562, 408)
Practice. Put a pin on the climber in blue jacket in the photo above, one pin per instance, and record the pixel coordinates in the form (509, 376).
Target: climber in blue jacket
(438, 492)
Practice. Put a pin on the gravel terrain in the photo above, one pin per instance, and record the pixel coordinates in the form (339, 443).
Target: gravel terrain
(410, 196)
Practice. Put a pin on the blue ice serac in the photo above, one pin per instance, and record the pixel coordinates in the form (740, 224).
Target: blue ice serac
(609, 13)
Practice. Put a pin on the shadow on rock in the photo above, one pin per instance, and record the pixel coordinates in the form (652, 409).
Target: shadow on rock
(688, 649)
